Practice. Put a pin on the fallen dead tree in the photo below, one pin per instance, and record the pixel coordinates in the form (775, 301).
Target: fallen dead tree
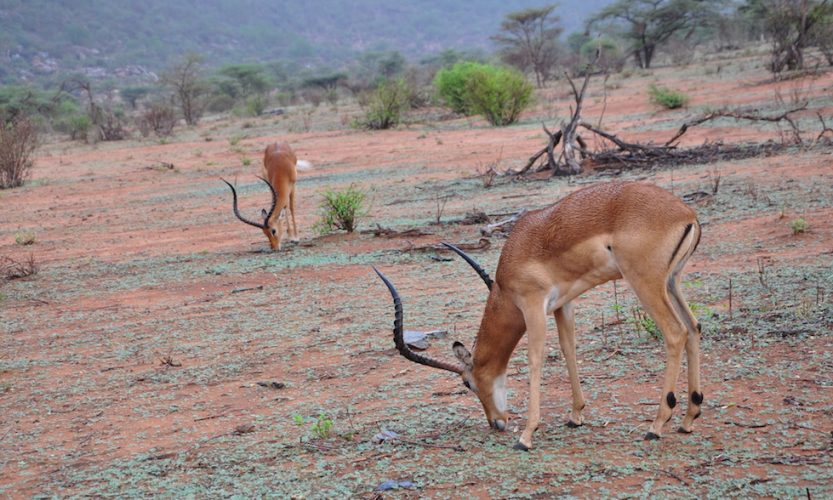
(566, 149)
(481, 245)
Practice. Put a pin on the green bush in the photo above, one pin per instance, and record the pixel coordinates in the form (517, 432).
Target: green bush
(451, 85)
(667, 98)
(498, 94)
(341, 210)
(386, 105)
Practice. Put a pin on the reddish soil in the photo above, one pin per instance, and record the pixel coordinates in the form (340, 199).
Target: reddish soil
(140, 264)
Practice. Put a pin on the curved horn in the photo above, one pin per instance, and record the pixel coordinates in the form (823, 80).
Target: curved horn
(473, 263)
(237, 212)
(399, 339)
(274, 200)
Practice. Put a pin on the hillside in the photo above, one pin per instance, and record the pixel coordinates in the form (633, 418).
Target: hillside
(120, 38)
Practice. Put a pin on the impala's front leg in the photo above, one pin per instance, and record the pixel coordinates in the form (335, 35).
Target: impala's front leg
(566, 321)
(536, 329)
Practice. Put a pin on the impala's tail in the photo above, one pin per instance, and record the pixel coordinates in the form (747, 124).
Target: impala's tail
(302, 165)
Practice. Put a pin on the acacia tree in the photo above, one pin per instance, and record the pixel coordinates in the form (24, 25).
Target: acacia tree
(529, 41)
(185, 79)
(649, 23)
(793, 26)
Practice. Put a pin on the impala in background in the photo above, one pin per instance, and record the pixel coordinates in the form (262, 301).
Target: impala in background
(280, 171)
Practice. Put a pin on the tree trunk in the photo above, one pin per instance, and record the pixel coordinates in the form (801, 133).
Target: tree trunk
(648, 49)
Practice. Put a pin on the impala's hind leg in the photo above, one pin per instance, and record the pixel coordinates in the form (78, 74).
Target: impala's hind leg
(651, 289)
(692, 349)
(565, 319)
(294, 235)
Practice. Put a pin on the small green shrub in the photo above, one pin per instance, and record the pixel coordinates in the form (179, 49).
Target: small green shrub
(667, 98)
(341, 210)
(256, 105)
(642, 322)
(24, 238)
(323, 426)
(386, 105)
(799, 226)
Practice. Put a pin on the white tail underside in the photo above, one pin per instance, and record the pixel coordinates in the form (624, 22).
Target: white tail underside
(303, 165)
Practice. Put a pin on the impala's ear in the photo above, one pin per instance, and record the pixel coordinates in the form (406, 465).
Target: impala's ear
(462, 354)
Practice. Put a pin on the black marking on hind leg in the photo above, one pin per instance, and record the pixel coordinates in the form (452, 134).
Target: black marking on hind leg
(699, 327)
(671, 400)
(697, 398)
(685, 234)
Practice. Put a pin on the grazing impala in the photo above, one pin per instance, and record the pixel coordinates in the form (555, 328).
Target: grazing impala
(280, 168)
(638, 232)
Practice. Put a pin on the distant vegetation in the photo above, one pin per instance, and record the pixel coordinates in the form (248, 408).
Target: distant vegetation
(257, 70)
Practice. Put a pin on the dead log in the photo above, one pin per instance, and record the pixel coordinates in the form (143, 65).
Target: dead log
(482, 244)
(739, 114)
(384, 232)
(504, 225)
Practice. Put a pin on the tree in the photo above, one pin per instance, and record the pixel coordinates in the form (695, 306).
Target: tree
(132, 95)
(793, 26)
(328, 83)
(18, 141)
(528, 41)
(107, 122)
(650, 23)
(249, 78)
(185, 79)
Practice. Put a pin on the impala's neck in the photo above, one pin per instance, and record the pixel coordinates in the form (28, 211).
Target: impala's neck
(501, 328)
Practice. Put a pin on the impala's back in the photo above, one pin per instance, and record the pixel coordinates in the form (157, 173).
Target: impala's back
(279, 164)
(583, 237)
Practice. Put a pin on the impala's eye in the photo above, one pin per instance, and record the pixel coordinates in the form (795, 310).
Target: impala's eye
(273, 232)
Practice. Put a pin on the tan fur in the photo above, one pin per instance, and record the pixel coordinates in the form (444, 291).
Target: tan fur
(279, 169)
(594, 235)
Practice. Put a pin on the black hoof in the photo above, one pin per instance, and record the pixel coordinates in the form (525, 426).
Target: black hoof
(572, 425)
(683, 431)
(520, 446)
(651, 436)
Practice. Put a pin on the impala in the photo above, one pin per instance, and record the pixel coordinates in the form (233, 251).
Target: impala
(638, 232)
(280, 166)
